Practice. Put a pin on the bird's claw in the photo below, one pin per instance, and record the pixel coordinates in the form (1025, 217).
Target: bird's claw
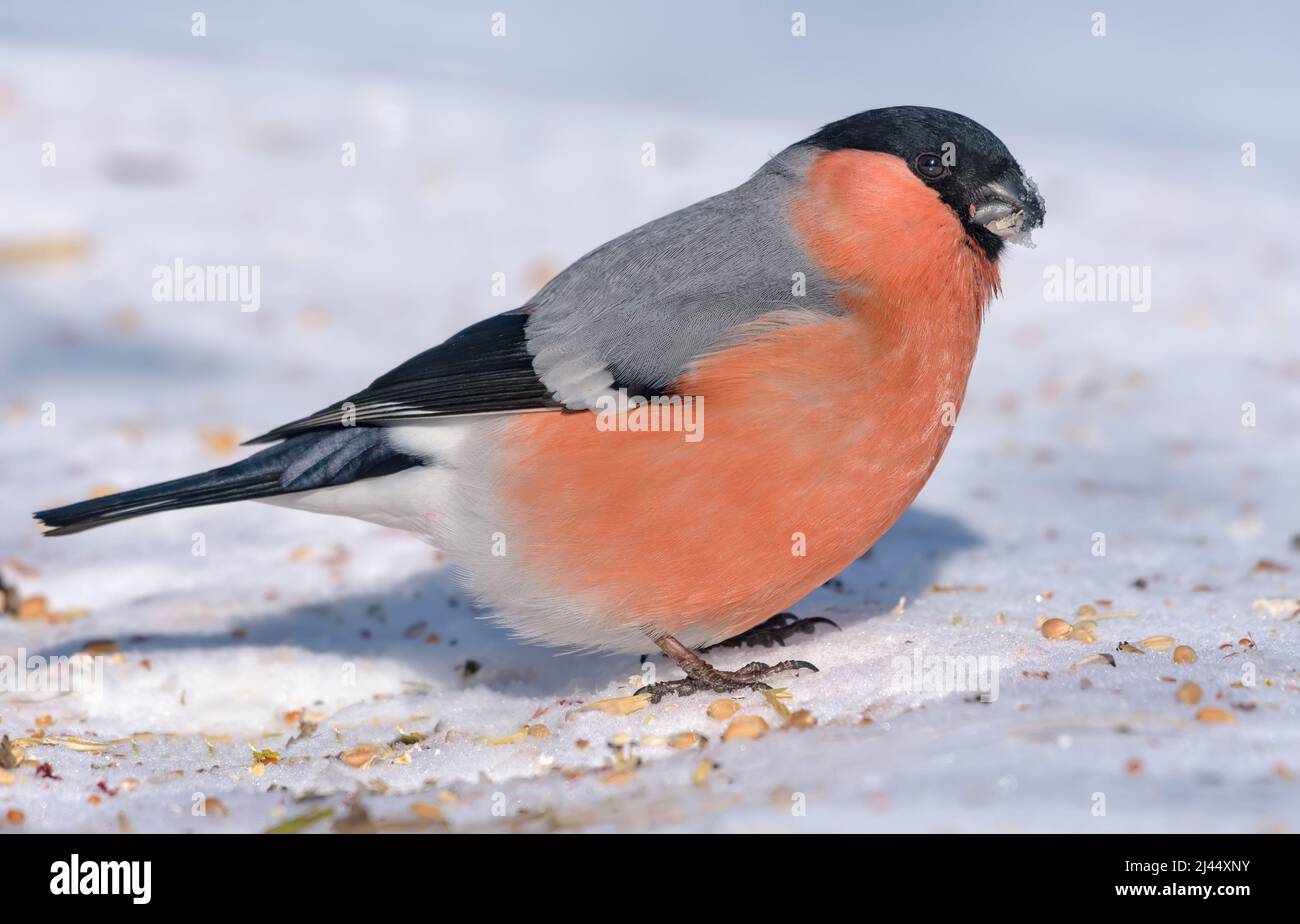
(773, 631)
(713, 680)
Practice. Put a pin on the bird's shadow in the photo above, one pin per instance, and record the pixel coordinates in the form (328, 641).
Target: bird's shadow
(437, 637)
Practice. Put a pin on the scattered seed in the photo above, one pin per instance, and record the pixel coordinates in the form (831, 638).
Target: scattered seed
(1130, 649)
(751, 727)
(428, 811)
(33, 608)
(1056, 629)
(723, 709)
(684, 740)
(1158, 642)
(15, 817)
(802, 718)
(620, 776)
(1215, 715)
(1189, 694)
(102, 646)
(1184, 654)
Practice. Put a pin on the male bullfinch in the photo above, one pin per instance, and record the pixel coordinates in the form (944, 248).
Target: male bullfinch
(694, 425)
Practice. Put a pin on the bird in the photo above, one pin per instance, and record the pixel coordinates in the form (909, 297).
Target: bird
(694, 425)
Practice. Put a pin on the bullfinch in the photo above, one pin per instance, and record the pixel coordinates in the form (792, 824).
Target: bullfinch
(694, 425)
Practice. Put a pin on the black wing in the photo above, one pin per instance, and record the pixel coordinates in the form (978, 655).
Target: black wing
(486, 368)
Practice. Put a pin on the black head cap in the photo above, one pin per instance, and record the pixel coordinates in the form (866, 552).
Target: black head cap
(965, 163)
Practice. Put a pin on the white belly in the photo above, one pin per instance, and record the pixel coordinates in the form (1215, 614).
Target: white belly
(452, 502)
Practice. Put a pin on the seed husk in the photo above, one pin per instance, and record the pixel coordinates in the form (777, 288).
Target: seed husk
(1189, 694)
(1101, 658)
(1184, 654)
(361, 756)
(751, 727)
(1084, 632)
(619, 705)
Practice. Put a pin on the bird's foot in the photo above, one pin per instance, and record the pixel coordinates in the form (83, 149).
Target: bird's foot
(708, 679)
(774, 631)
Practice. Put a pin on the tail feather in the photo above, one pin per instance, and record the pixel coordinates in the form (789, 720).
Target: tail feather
(301, 463)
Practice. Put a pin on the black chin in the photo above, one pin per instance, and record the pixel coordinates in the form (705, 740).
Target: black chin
(989, 242)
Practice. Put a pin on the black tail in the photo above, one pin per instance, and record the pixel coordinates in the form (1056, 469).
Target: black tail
(300, 463)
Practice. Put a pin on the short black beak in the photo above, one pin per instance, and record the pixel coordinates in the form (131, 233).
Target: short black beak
(1009, 208)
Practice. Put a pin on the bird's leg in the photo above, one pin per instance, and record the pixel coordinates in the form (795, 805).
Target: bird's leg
(773, 631)
(702, 676)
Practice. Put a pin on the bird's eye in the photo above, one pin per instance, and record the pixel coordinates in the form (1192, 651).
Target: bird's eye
(930, 166)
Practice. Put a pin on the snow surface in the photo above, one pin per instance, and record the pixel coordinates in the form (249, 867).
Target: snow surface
(1081, 418)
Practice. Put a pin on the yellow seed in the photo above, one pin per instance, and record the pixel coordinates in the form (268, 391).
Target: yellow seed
(538, 731)
(723, 709)
(684, 740)
(1056, 629)
(1158, 642)
(7, 778)
(1184, 654)
(620, 776)
(745, 726)
(1086, 611)
(1189, 693)
(1214, 714)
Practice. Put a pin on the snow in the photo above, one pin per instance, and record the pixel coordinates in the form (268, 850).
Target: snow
(1082, 418)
